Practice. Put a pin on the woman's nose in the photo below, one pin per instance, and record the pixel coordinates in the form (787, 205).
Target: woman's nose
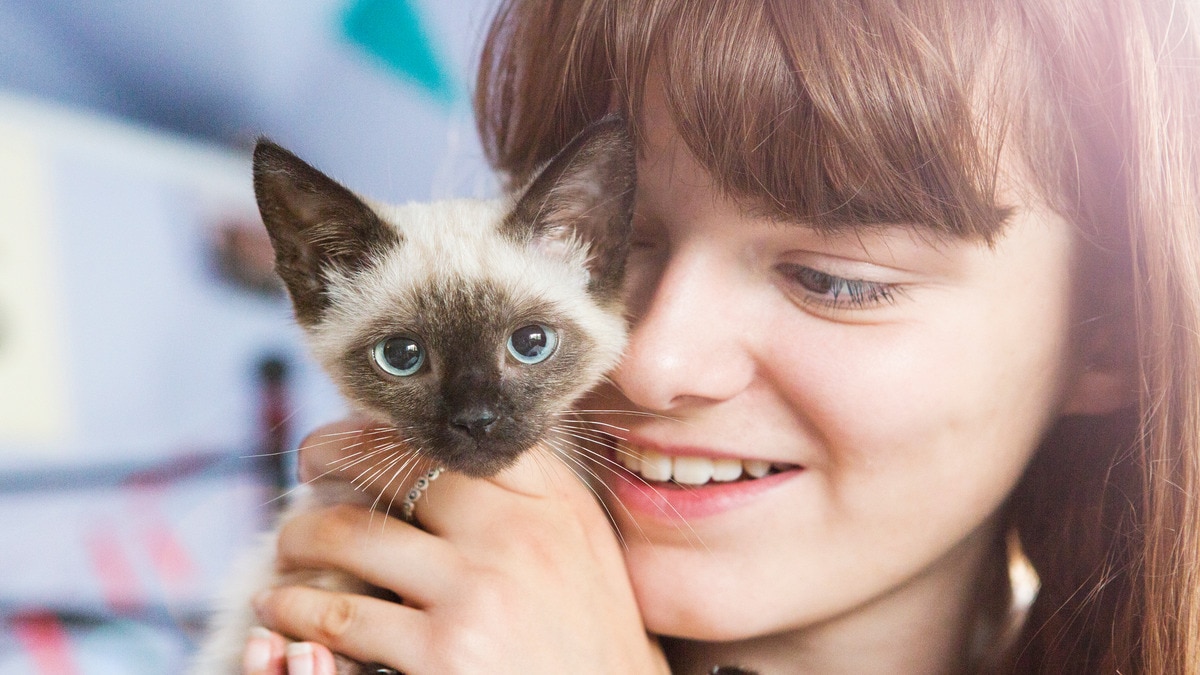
(688, 344)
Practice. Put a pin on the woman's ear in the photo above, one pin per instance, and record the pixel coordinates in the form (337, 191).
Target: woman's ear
(1105, 378)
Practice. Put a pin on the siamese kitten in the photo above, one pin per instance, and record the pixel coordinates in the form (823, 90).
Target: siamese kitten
(467, 327)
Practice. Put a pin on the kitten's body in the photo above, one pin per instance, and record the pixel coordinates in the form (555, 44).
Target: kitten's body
(513, 309)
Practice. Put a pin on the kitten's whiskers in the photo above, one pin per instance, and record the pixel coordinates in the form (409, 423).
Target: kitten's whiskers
(602, 460)
(565, 456)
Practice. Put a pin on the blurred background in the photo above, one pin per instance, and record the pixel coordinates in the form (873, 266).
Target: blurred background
(150, 373)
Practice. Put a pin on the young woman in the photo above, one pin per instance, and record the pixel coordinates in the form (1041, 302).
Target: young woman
(924, 273)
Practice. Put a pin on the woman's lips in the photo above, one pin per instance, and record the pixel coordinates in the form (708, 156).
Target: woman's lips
(692, 470)
(671, 487)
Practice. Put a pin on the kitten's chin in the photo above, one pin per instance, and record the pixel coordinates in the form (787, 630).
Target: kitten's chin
(477, 466)
(478, 458)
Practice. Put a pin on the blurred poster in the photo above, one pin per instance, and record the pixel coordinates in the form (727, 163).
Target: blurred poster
(34, 399)
(136, 297)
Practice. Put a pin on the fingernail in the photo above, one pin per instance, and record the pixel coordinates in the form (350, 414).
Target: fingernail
(256, 658)
(300, 660)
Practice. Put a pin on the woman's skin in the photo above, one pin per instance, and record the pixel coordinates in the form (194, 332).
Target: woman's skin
(903, 381)
(910, 391)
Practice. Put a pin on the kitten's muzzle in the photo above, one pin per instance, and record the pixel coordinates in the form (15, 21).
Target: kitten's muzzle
(479, 441)
(475, 421)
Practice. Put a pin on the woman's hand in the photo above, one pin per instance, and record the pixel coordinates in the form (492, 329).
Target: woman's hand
(517, 573)
(269, 653)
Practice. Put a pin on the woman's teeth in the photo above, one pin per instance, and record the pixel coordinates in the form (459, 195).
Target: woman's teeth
(691, 470)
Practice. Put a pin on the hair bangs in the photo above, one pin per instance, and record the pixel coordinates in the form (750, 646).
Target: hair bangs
(806, 114)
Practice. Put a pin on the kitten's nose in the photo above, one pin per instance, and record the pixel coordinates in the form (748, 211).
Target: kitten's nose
(475, 420)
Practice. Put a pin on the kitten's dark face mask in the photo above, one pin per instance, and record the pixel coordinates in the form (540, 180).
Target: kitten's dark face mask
(470, 368)
(476, 377)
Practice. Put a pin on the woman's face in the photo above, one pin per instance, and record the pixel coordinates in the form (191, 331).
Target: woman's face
(899, 384)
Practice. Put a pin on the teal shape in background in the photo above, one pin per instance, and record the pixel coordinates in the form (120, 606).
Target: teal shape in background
(392, 32)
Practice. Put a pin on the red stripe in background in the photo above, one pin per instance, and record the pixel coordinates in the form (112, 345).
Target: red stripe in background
(170, 558)
(117, 576)
(45, 639)
(168, 554)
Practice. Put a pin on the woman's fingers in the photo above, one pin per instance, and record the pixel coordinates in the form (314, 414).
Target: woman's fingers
(364, 628)
(518, 568)
(381, 551)
(310, 658)
(264, 653)
(269, 653)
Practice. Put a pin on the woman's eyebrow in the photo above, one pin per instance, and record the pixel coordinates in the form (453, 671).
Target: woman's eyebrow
(1000, 217)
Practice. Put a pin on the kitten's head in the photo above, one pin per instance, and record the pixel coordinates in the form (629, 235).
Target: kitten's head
(469, 326)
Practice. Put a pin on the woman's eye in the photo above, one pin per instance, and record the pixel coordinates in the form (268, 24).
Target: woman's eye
(837, 292)
(533, 343)
(399, 356)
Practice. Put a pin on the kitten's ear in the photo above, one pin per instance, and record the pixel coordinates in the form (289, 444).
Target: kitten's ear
(315, 225)
(584, 194)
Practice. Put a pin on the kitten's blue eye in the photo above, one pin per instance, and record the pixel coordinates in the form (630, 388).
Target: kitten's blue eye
(533, 343)
(399, 356)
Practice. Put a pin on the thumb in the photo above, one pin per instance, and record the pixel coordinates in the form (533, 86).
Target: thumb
(461, 503)
(544, 472)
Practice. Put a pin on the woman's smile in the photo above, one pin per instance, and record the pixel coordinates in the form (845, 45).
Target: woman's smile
(688, 484)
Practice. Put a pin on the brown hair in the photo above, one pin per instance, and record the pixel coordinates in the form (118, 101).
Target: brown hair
(883, 111)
